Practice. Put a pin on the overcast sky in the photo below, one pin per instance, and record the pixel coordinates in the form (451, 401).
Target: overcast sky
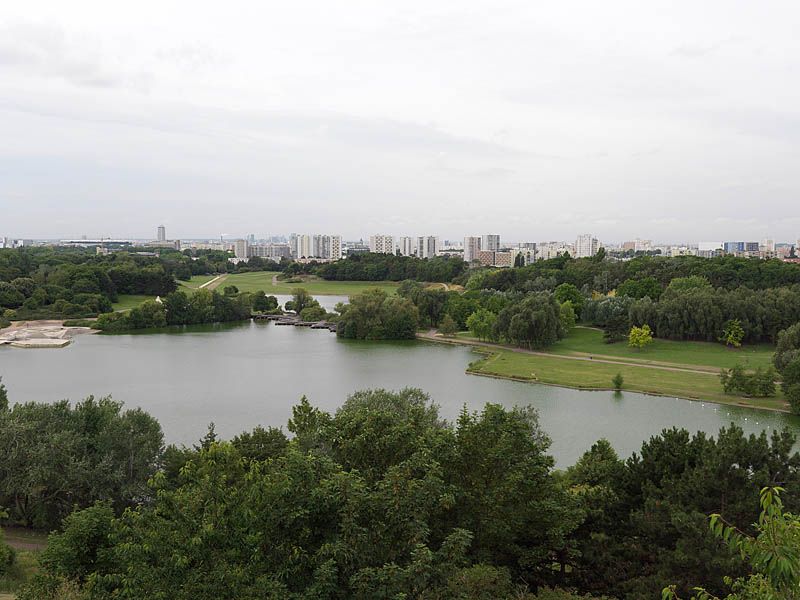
(676, 121)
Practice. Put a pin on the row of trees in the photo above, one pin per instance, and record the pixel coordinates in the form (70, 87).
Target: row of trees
(640, 277)
(57, 283)
(179, 308)
(389, 267)
(384, 499)
(693, 310)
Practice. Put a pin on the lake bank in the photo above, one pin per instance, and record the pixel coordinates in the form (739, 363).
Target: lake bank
(583, 372)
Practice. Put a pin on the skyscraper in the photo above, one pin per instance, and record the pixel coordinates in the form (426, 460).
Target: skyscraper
(161, 236)
(586, 246)
(407, 246)
(472, 245)
(490, 243)
(427, 246)
(381, 244)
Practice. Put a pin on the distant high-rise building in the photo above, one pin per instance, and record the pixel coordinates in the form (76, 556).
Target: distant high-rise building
(328, 247)
(241, 249)
(407, 246)
(381, 244)
(586, 246)
(161, 235)
(427, 246)
(768, 245)
(490, 242)
(472, 245)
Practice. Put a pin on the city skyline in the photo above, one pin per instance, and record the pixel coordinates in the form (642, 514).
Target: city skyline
(616, 119)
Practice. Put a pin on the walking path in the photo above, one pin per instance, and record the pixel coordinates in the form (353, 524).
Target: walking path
(432, 336)
(212, 284)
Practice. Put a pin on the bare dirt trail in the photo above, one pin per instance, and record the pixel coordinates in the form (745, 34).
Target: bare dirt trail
(214, 283)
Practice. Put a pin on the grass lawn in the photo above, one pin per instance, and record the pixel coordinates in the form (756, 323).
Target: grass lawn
(588, 375)
(129, 301)
(195, 282)
(582, 341)
(251, 282)
(28, 544)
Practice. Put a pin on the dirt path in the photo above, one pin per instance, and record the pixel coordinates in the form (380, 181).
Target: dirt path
(214, 283)
(22, 539)
(432, 336)
(275, 279)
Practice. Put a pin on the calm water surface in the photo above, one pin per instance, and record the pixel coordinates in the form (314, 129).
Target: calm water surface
(242, 375)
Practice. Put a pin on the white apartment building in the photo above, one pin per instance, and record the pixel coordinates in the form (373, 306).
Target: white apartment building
(241, 249)
(548, 250)
(328, 247)
(472, 245)
(427, 246)
(407, 246)
(161, 234)
(490, 242)
(586, 246)
(381, 244)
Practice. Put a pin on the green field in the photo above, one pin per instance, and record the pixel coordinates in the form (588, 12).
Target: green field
(196, 281)
(129, 301)
(585, 341)
(584, 374)
(262, 280)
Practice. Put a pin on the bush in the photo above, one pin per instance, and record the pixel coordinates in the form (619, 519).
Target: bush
(7, 555)
(761, 383)
(313, 313)
(617, 381)
(793, 397)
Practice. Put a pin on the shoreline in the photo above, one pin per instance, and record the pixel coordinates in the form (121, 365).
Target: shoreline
(488, 350)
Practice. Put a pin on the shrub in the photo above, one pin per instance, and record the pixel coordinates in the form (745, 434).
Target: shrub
(617, 381)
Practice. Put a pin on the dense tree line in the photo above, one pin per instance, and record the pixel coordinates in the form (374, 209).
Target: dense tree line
(639, 276)
(384, 499)
(389, 267)
(697, 311)
(373, 315)
(56, 457)
(179, 308)
(67, 283)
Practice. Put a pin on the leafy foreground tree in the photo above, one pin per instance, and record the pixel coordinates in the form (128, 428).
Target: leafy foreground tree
(773, 552)
(381, 500)
(56, 457)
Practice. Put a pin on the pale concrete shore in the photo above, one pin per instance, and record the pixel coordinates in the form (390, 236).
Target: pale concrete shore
(40, 334)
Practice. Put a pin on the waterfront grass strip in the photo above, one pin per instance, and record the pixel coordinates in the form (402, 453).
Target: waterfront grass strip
(562, 371)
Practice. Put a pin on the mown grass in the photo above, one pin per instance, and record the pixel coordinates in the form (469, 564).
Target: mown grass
(251, 282)
(581, 341)
(129, 301)
(584, 374)
(196, 281)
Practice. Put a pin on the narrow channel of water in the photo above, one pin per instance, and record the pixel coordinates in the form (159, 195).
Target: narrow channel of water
(245, 374)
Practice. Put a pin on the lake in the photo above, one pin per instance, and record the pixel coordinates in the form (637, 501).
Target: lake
(244, 374)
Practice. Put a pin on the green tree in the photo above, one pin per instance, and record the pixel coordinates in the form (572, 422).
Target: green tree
(732, 334)
(533, 322)
(313, 313)
(617, 381)
(301, 300)
(772, 553)
(481, 324)
(448, 326)
(567, 315)
(263, 303)
(640, 337)
(568, 292)
(3, 396)
(230, 290)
